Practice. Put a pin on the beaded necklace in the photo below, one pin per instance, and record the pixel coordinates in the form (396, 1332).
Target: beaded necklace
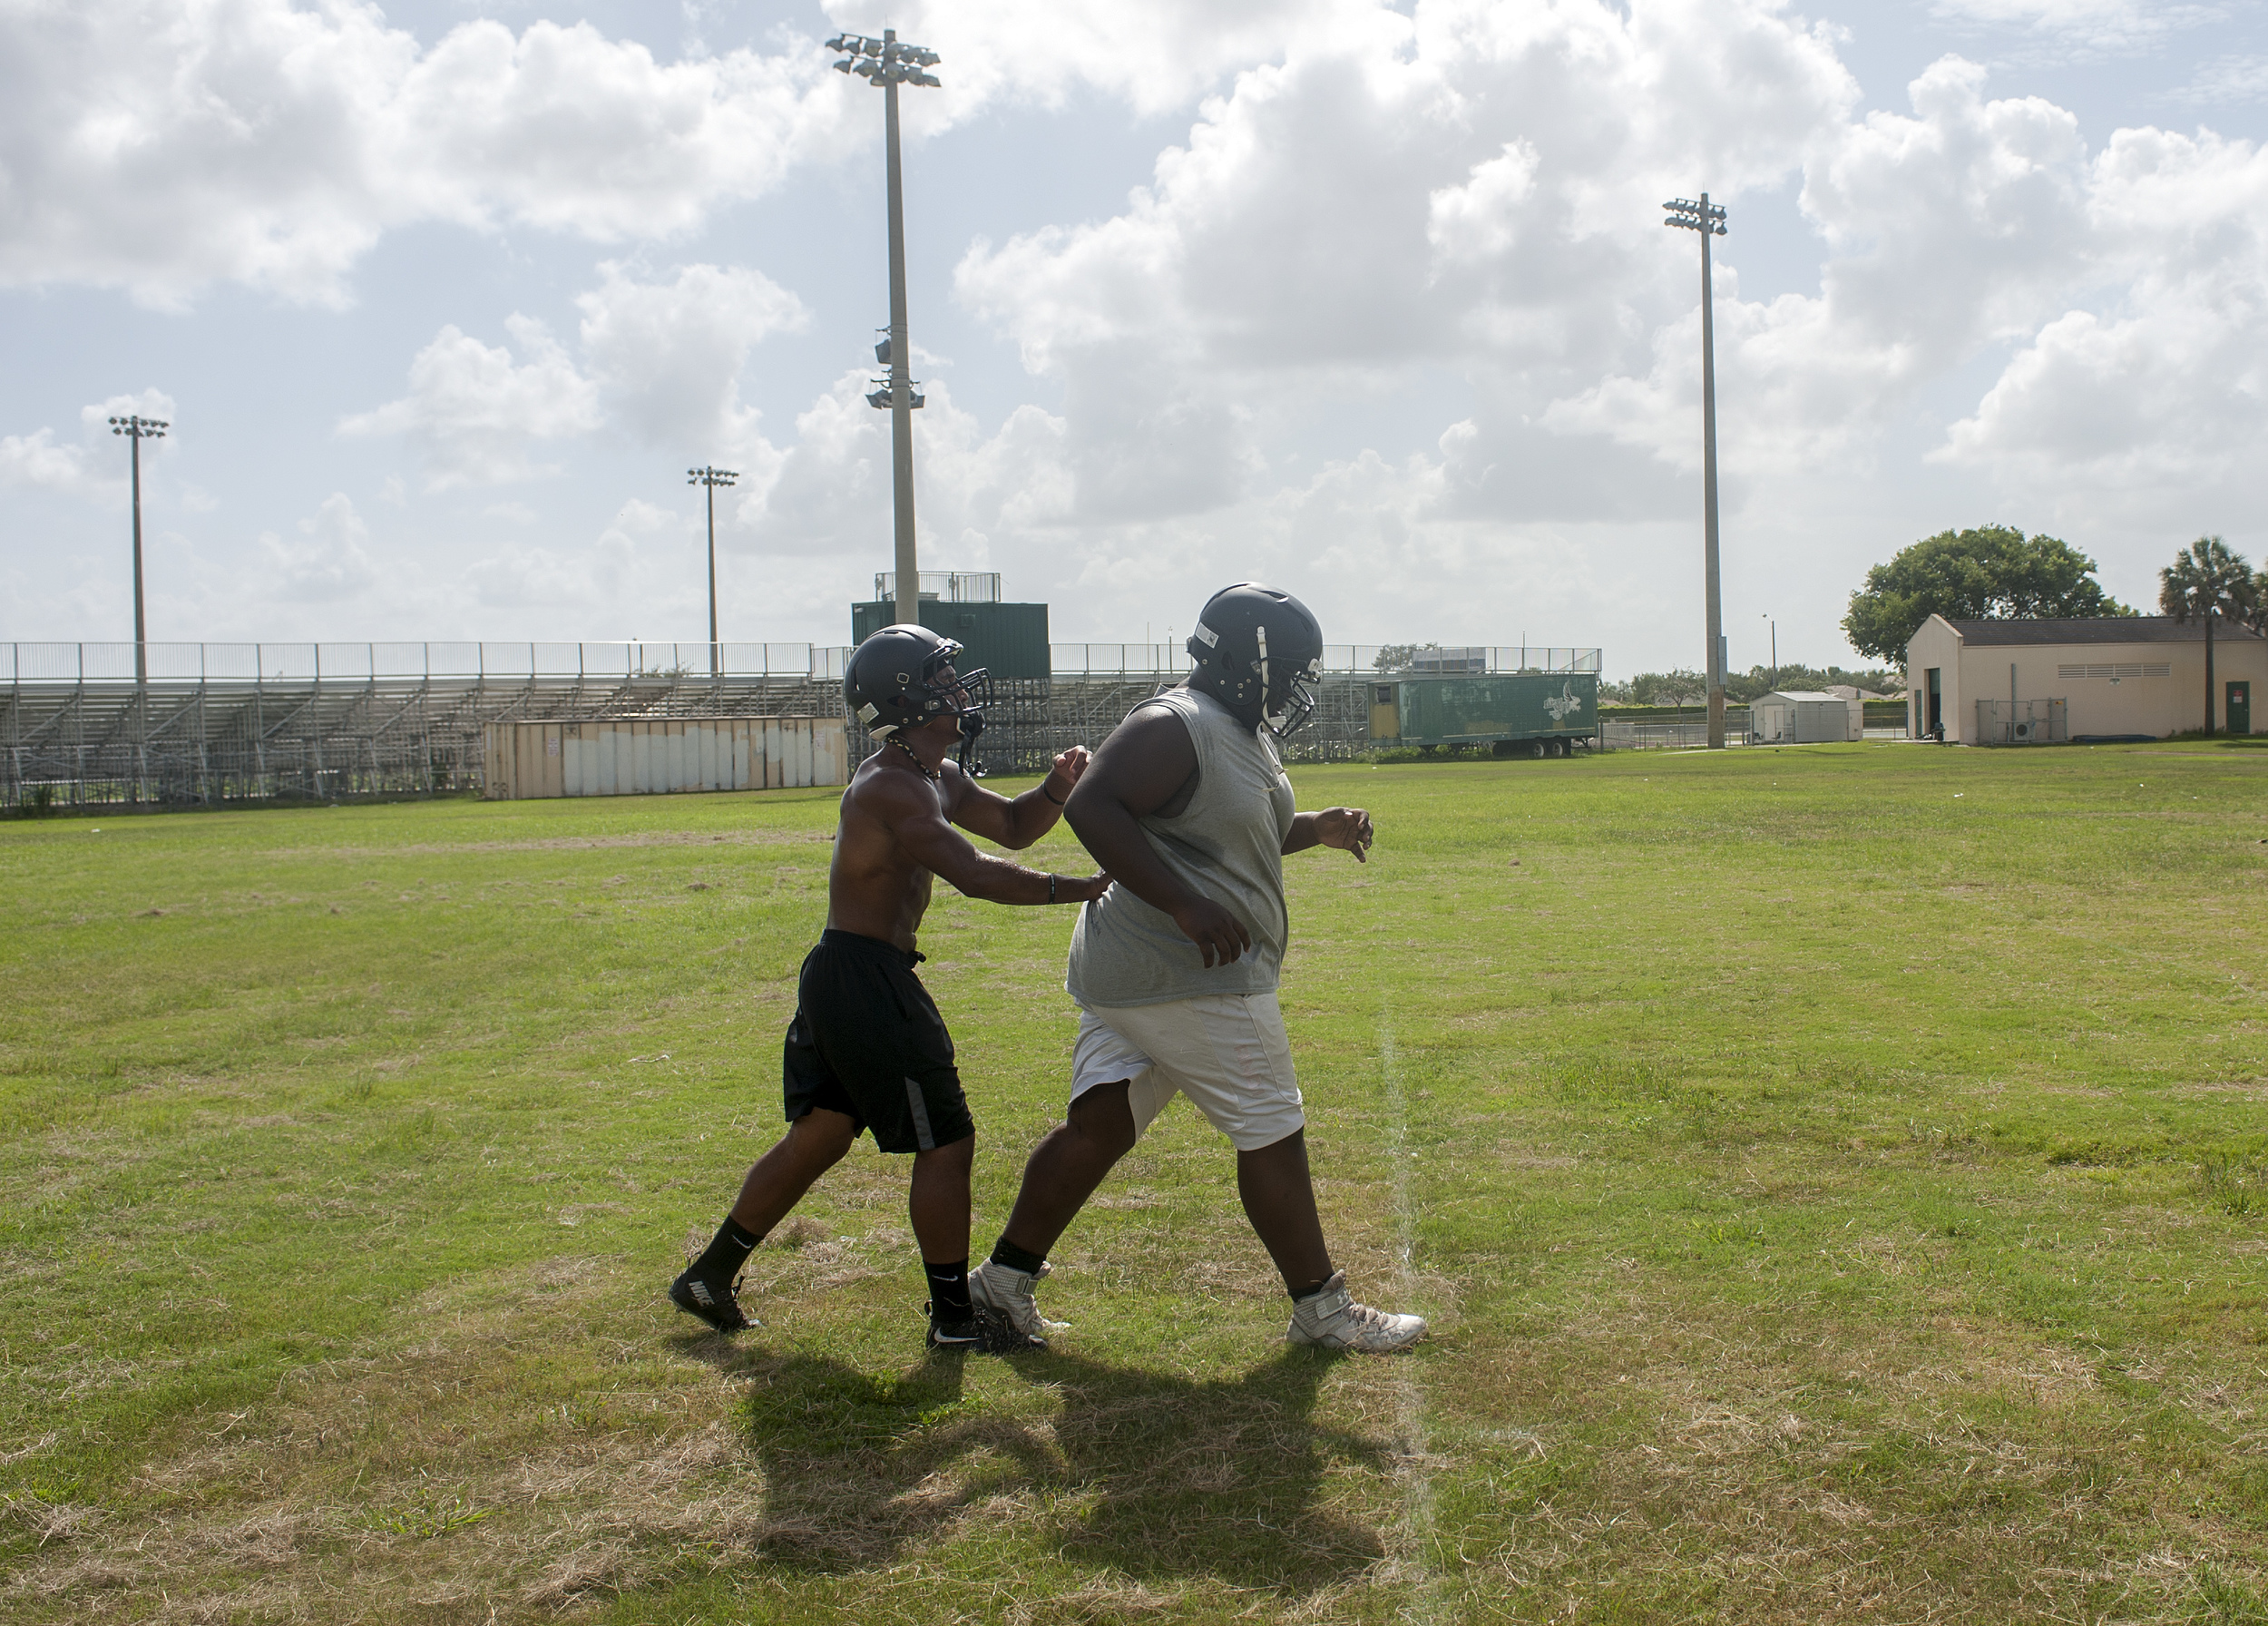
(933, 775)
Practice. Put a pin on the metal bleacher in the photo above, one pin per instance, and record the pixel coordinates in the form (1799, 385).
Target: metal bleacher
(207, 723)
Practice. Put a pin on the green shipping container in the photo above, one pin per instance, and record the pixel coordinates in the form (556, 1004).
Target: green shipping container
(1010, 640)
(1478, 710)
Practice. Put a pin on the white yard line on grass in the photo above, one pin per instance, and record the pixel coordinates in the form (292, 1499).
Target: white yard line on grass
(1417, 1511)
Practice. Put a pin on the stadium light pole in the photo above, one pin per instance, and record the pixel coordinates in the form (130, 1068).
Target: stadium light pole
(712, 478)
(1709, 219)
(136, 430)
(886, 63)
(1775, 647)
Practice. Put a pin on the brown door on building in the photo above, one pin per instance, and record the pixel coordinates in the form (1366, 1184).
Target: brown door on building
(2238, 699)
(1934, 727)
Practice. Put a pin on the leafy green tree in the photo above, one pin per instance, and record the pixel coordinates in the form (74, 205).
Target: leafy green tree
(2207, 581)
(1972, 575)
(1678, 688)
(1758, 681)
(1399, 657)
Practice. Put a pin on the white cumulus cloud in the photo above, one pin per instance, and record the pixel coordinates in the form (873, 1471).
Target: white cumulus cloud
(2161, 395)
(640, 559)
(1479, 193)
(473, 411)
(36, 460)
(1154, 56)
(95, 468)
(328, 562)
(669, 355)
(159, 147)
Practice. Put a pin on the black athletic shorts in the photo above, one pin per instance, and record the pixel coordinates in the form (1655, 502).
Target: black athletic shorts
(867, 1041)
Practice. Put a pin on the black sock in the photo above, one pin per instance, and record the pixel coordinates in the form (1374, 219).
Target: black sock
(1005, 1252)
(948, 1291)
(1302, 1295)
(728, 1250)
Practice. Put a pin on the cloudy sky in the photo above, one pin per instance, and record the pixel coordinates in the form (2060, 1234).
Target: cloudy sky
(1370, 301)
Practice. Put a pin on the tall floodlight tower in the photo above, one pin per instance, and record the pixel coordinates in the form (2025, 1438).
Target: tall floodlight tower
(136, 430)
(712, 478)
(1709, 219)
(888, 62)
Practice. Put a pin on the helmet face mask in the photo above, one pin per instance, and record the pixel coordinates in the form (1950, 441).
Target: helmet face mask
(1259, 652)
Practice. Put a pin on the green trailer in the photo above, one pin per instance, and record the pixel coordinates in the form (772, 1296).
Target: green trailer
(1514, 714)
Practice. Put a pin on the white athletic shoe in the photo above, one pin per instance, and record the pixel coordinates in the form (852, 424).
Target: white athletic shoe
(1333, 1320)
(1007, 1294)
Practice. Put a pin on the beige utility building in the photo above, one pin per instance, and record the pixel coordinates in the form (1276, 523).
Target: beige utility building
(2014, 682)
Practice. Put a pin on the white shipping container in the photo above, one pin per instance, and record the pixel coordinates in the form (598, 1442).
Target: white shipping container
(647, 757)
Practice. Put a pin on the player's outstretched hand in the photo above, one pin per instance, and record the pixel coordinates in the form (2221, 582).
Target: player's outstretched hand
(1348, 827)
(1220, 935)
(1074, 890)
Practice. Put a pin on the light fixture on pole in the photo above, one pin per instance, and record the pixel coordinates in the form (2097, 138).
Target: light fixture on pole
(136, 430)
(712, 478)
(888, 62)
(1709, 219)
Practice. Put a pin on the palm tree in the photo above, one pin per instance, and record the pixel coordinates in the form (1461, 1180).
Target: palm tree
(2207, 581)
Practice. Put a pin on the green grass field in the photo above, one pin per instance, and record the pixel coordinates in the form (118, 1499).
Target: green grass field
(1838, 1178)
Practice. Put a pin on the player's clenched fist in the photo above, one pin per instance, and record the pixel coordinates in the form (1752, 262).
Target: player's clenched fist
(1345, 828)
(1220, 935)
(1070, 764)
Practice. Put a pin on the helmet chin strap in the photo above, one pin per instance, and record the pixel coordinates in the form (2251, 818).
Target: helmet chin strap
(971, 725)
(1272, 719)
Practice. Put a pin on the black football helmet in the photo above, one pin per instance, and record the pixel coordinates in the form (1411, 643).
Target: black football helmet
(1259, 652)
(893, 681)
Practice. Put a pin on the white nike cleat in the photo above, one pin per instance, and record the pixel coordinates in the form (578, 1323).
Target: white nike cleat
(1007, 1294)
(1333, 1320)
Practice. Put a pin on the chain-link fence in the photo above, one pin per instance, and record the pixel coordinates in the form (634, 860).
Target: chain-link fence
(1671, 734)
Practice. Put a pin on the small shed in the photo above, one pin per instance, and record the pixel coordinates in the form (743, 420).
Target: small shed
(1805, 717)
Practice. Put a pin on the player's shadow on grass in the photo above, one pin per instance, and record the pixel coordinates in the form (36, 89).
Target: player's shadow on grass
(1219, 1479)
(1143, 1473)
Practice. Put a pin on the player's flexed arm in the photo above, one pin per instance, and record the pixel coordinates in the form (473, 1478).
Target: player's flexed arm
(894, 836)
(934, 845)
(1014, 825)
(1147, 766)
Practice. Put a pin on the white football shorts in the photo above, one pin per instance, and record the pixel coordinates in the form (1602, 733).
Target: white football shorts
(1227, 1053)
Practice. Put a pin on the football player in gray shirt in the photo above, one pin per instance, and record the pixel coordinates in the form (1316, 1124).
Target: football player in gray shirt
(1174, 967)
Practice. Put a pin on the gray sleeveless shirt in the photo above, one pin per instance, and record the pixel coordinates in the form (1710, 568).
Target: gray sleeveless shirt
(1228, 844)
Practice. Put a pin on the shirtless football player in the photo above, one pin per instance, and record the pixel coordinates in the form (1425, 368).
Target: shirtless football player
(867, 1049)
